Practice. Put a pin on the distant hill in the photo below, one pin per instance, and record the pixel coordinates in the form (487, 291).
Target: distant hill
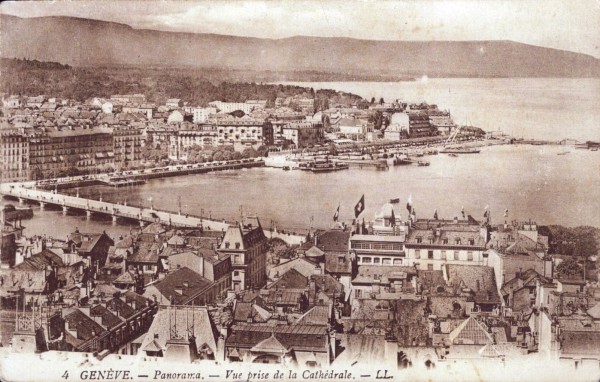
(85, 42)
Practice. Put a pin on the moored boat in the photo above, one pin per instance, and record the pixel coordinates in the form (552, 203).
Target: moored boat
(460, 150)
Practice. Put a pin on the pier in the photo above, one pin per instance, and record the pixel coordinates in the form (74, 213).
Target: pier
(142, 215)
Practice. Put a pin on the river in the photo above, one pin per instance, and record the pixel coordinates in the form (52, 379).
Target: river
(532, 182)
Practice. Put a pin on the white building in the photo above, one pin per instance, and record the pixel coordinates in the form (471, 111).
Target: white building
(201, 114)
(399, 123)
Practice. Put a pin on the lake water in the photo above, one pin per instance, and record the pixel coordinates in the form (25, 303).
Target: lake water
(532, 182)
(543, 108)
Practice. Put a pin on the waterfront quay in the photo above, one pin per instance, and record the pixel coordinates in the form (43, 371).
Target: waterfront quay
(133, 177)
(143, 215)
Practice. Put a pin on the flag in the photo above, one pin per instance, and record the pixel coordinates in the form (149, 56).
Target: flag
(486, 214)
(393, 219)
(435, 215)
(506, 213)
(360, 206)
(336, 216)
(409, 204)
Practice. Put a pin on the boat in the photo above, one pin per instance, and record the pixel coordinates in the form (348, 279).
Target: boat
(461, 150)
(323, 166)
(563, 153)
(402, 160)
(395, 200)
(594, 149)
(118, 181)
(423, 163)
(452, 155)
(286, 168)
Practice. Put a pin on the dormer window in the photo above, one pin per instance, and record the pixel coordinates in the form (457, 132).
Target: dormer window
(226, 244)
(237, 245)
(471, 241)
(457, 241)
(445, 241)
(419, 239)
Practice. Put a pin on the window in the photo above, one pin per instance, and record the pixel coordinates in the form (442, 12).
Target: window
(226, 244)
(376, 260)
(366, 260)
(457, 241)
(397, 261)
(419, 239)
(430, 255)
(237, 245)
(445, 241)
(357, 293)
(386, 261)
(341, 260)
(471, 242)
(417, 253)
(470, 256)
(456, 255)
(236, 273)
(443, 255)
(430, 267)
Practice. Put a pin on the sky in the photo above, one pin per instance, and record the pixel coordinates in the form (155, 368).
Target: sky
(572, 25)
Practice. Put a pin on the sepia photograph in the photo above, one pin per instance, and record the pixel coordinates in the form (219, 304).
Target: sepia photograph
(311, 190)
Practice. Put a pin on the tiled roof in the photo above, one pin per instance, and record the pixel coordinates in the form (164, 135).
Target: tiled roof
(432, 280)
(578, 343)
(145, 252)
(30, 281)
(84, 325)
(108, 318)
(470, 332)
(594, 311)
(446, 306)
(245, 310)
(284, 297)
(180, 319)
(40, 261)
(295, 337)
(126, 278)
(365, 349)
(290, 279)
(333, 241)
(382, 274)
(479, 279)
(317, 315)
(300, 264)
(338, 263)
(327, 284)
(270, 345)
(174, 280)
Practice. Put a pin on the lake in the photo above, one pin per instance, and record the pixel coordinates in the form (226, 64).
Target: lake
(532, 182)
(543, 108)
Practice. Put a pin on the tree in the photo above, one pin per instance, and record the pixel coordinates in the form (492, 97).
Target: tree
(569, 268)
(333, 151)
(218, 156)
(250, 152)
(381, 101)
(372, 100)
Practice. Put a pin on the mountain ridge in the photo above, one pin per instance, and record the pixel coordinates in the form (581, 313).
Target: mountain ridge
(96, 42)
